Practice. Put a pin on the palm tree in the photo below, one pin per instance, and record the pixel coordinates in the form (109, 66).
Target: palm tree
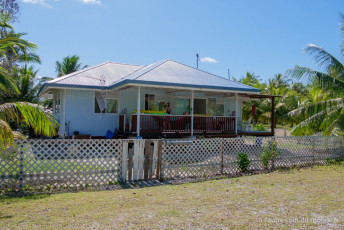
(10, 56)
(68, 65)
(34, 116)
(28, 84)
(327, 111)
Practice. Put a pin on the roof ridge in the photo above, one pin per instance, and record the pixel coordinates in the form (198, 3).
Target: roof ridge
(77, 72)
(161, 62)
(129, 74)
(126, 77)
(112, 62)
(211, 74)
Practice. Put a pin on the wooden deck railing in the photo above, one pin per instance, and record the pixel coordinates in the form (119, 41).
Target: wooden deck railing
(218, 124)
(182, 124)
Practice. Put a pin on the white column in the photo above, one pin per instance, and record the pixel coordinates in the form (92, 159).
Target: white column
(192, 111)
(138, 110)
(236, 112)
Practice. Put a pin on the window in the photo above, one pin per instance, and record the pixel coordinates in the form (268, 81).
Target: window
(151, 103)
(215, 107)
(182, 105)
(106, 102)
(57, 103)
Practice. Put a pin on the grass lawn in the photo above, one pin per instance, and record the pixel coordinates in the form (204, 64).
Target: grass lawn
(301, 199)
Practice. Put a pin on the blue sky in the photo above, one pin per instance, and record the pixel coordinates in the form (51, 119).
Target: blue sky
(264, 37)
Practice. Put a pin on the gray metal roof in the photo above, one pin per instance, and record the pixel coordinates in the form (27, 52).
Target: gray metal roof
(104, 74)
(167, 72)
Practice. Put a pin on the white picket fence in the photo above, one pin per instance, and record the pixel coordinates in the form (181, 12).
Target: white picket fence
(36, 164)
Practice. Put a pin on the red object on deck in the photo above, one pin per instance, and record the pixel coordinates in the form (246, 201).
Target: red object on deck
(254, 108)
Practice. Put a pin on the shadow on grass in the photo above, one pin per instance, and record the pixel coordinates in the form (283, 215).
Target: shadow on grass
(2, 217)
(16, 197)
(143, 184)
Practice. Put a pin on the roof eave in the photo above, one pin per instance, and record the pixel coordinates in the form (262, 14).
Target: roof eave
(125, 82)
(138, 82)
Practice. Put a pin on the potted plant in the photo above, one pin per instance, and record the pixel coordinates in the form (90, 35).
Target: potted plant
(188, 109)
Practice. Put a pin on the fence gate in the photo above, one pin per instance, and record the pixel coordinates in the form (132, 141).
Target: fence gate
(141, 160)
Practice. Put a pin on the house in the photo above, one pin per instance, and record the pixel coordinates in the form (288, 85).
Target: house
(131, 98)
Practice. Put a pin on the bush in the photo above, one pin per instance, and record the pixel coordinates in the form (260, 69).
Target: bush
(259, 127)
(269, 154)
(243, 162)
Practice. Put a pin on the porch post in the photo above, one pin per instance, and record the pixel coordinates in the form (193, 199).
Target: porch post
(138, 110)
(192, 111)
(236, 112)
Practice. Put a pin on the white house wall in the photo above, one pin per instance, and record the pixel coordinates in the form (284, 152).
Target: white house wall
(80, 113)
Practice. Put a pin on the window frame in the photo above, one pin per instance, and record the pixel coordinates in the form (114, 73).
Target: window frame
(147, 96)
(215, 99)
(106, 99)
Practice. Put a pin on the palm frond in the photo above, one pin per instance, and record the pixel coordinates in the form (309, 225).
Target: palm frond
(330, 121)
(6, 83)
(303, 125)
(314, 108)
(6, 135)
(29, 58)
(308, 75)
(325, 59)
(42, 122)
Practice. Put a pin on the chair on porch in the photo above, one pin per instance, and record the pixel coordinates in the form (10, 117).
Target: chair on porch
(246, 126)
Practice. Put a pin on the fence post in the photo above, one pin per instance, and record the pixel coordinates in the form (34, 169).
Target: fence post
(274, 143)
(21, 167)
(155, 157)
(222, 150)
(138, 159)
(313, 150)
(130, 164)
(125, 160)
(159, 173)
(342, 148)
(147, 160)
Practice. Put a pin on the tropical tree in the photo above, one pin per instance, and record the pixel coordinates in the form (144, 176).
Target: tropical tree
(28, 84)
(253, 80)
(33, 115)
(10, 7)
(327, 111)
(68, 65)
(12, 56)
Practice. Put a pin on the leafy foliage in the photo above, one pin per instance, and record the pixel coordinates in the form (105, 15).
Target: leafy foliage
(269, 154)
(10, 7)
(68, 65)
(259, 127)
(243, 162)
(34, 116)
(17, 84)
(323, 109)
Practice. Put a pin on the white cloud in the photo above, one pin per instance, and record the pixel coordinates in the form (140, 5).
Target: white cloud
(209, 60)
(98, 2)
(41, 2)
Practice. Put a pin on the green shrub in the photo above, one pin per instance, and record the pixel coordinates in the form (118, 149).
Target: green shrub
(269, 154)
(259, 127)
(243, 162)
(334, 161)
